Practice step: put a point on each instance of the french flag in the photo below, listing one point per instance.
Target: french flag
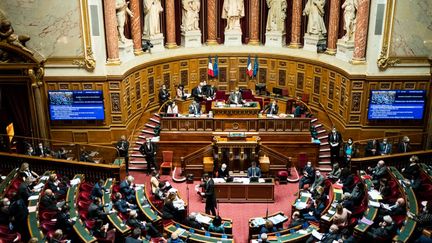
(249, 70)
(210, 68)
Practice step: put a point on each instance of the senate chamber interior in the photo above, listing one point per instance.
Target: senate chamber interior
(215, 121)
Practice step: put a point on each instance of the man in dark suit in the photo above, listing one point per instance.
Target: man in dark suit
(64, 221)
(198, 93)
(211, 92)
(4, 211)
(372, 148)
(308, 175)
(404, 145)
(378, 172)
(223, 172)
(385, 147)
(123, 150)
(334, 140)
(49, 201)
(209, 194)
(272, 108)
(121, 205)
(254, 171)
(195, 108)
(95, 210)
(97, 190)
(148, 149)
(385, 230)
(192, 222)
(134, 222)
(135, 237)
(235, 97)
(24, 190)
(163, 95)
(126, 188)
(19, 212)
(42, 151)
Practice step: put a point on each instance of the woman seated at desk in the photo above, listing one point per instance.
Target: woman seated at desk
(172, 108)
(181, 94)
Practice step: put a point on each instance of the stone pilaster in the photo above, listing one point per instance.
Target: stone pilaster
(360, 35)
(136, 27)
(170, 24)
(332, 35)
(211, 22)
(111, 32)
(296, 24)
(254, 26)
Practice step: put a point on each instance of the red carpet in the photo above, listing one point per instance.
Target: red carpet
(240, 213)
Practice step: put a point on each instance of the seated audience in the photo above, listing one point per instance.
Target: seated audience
(25, 172)
(268, 227)
(169, 211)
(175, 238)
(272, 108)
(64, 221)
(127, 189)
(195, 108)
(314, 212)
(134, 222)
(254, 171)
(296, 220)
(334, 174)
(62, 153)
(57, 237)
(159, 188)
(101, 232)
(384, 189)
(192, 222)
(121, 205)
(404, 146)
(181, 94)
(96, 211)
(384, 231)
(264, 238)
(98, 189)
(331, 236)
(414, 181)
(372, 148)
(42, 151)
(135, 237)
(4, 211)
(49, 201)
(235, 97)
(341, 217)
(216, 225)
(56, 186)
(358, 193)
(412, 168)
(423, 218)
(397, 209)
(378, 172)
(385, 147)
(223, 172)
(308, 175)
(318, 181)
(172, 108)
(347, 237)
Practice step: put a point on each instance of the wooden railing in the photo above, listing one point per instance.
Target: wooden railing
(328, 128)
(92, 171)
(399, 160)
(131, 136)
(198, 154)
(278, 160)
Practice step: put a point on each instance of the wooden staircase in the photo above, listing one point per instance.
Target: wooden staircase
(324, 163)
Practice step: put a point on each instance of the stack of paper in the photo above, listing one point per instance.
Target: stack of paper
(258, 221)
(305, 194)
(325, 217)
(38, 186)
(374, 204)
(277, 219)
(34, 197)
(203, 219)
(179, 231)
(317, 234)
(75, 181)
(300, 205)
(366, 221)
(375, 195)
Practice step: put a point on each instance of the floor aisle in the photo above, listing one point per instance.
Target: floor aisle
(240, 213)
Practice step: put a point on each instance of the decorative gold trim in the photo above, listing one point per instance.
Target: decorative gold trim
(89, 63)
(254, 43)
(171, 45)
(330, 52)
(295, 45)
(212, 43)
(385, 60)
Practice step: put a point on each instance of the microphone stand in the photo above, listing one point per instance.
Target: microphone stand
(188, 205)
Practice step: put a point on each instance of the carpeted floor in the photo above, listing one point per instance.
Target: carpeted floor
(240, 213)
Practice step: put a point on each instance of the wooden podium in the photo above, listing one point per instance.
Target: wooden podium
(244, 111)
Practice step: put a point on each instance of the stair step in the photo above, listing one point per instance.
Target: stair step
(324, 156)
(155, 120)
(156, 114)
(151, 125)
(324, 149)
(324, 162)
(148, 131)
(323, 137)
(319, 125)
(314, 120)
(139, 155)
(324, 168)
(144, 168)
(321, 131)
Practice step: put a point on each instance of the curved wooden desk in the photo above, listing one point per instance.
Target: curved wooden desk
(33, 216)
(113, 217)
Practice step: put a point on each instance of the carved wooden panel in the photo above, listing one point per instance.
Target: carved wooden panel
(203, 74)
(87, 86)
(342, 96)
(317, 85)
(184, 79)
(357, 85)
(115, 102)
(282, 77)
(151, 85)
(222, 74)
(262, 75)
(409, 85)
(138, 90)
(356, 101)
(167, 80)
(385, 85)
(300, 80)
(331, 90)
(128, 98)
(242, 74)
(63, 86)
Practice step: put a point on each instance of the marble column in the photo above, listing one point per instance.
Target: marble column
(111, 32)
(332, 35)
(360, 35)
(254, 27)
(211, 22)
(170, 24)
(296, 24)
(136, 27)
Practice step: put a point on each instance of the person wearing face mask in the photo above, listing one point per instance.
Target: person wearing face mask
(372, 148)
(385, 230)
(412, 168)
(404, 145)
(319, 181)
(335, 173)
(396, 209)
(148, 149)
(235, 97)
(378, 171)
(349, 151)
(385, 147)
(334, 140)
(223, 172)
(308, 175)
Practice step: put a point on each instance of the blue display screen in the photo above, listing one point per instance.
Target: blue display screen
(396, 104)
(76, 105)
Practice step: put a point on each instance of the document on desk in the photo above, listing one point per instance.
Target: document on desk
(179, 231)
(203, 219)
(375, 195)
(374, 204)
(219, 180)
(277, 219)
(300, 205)
(258, 221)
(306, 194)
(75, 181)
(34, 197)
(366, 221)
(32, 209)
(317, 234)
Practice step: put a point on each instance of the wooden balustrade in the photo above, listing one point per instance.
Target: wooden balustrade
(92, 171)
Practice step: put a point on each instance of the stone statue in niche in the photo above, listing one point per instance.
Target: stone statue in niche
(8, 35)
(190, 20)
(314, 9)
(276, 15)
(349, 15)
(233, 11)
(121, 10)
(152, 10)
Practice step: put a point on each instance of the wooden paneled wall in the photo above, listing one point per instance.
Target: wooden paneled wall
(344, 96)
